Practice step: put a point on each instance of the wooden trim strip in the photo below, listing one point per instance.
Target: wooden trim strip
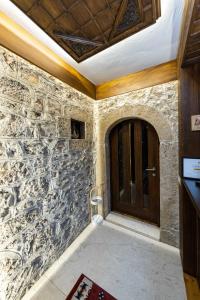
(155, 75)
(21, 42)
(185, 28)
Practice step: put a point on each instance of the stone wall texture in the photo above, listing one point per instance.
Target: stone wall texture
(45, 177)
(157, 105)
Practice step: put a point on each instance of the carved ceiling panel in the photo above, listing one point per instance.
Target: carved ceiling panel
(85, 27)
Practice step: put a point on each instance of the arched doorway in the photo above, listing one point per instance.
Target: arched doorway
(134, 170)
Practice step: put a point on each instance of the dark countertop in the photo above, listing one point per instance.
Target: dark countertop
(194, 193)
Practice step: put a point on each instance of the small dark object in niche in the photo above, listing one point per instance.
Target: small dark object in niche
(77, 129)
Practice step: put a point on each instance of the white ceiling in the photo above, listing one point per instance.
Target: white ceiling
(152, 46)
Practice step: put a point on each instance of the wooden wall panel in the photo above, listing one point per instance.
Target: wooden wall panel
(189, 141)
(187, 16)
(189, 105)
(188, 234)
(193, 291)
(189, 48)
(156, 75)
(192, 49)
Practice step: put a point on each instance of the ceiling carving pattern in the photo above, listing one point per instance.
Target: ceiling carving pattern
(104, 21)
(131, 16)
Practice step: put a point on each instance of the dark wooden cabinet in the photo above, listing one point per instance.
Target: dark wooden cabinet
(190, 211)
(198, 250)
(189, 142)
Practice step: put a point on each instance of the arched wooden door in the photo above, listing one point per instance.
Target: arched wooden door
(135, 178)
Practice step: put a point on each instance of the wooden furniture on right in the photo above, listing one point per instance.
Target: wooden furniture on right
(193, 291)
(189, 146)
(190, 208)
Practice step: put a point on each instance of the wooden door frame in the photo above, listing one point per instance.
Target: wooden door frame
(109, 166)
(169, 197)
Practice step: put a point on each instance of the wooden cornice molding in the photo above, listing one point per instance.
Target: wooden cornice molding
(96, 19)
(185, 28)
(149, 77)
(21, 42)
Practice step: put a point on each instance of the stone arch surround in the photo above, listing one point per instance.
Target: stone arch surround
(169, 200)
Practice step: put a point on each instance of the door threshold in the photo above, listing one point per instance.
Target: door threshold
(133, 224)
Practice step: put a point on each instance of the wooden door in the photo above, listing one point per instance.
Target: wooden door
(134, 158)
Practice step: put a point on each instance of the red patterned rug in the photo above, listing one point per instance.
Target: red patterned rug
(86, 289)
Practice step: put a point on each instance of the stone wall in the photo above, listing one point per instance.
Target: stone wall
(157, 105)
(45, 177)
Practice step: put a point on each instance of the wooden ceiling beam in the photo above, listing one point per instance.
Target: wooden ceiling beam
(189, 47)
(94, 20)
(185, 28)
(152, 76)
(21, 42)
(192, 60)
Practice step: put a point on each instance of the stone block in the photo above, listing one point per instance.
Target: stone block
(14, 89)
(47, 83)
(13, 149)
(34, 188)
(47, 130)
(59, 163)
(3, 153)
(12, 107)
(13, 172)
(36, 111)
(11, 125)
(8, 63)
(64, 128)
(34, 147)
(60, 146)
(7, 199)
(39, 165)
(79, 144)
(27, 75)
(53, 108)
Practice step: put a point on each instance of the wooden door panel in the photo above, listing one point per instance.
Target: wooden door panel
(134, 149)
(124, 163)
(138, 165)
(114, 169)
(153, 177)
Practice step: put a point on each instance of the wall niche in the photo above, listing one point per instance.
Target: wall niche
(77, 130)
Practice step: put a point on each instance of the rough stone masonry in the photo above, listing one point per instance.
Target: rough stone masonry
(45, 177)
(158, 105)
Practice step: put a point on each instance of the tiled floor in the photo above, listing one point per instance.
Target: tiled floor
(129, 266)
(135, 225)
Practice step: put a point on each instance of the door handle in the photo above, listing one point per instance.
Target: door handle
(151, 170)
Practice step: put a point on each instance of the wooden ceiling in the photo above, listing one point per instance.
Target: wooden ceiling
(104, 21)
(192, 48)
